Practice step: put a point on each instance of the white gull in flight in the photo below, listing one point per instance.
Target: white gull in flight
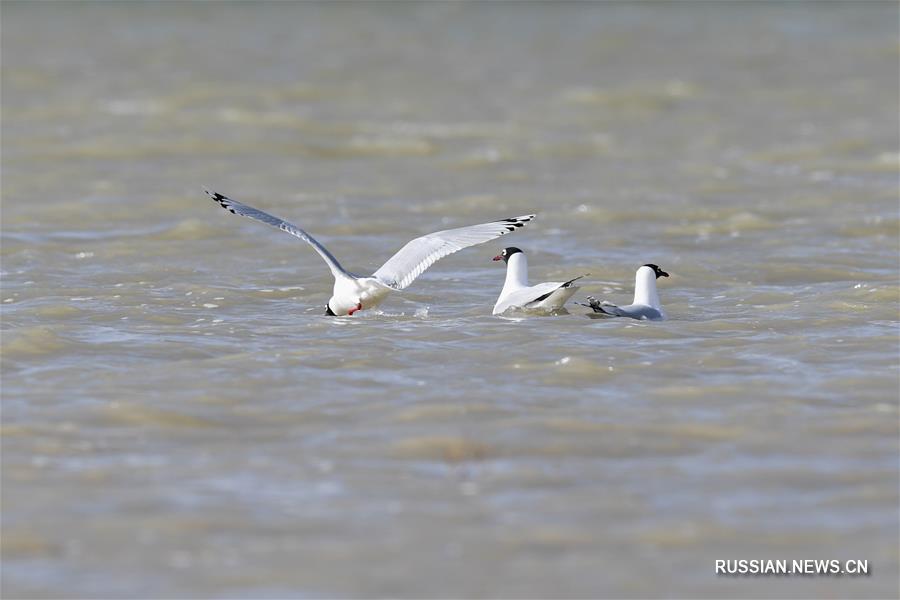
(353, 292)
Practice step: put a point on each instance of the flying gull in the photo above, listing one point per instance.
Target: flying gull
(353, 292)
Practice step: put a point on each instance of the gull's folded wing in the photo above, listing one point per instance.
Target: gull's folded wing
(522, 297)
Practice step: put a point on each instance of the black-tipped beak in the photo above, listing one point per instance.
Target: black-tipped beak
(662, 274)
(498, 257)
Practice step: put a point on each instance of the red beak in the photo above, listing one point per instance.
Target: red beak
(498, 257)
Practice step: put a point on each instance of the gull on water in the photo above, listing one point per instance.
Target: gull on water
(353, 292)
(517, 293)
(646, 301)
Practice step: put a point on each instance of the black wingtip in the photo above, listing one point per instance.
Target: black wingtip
(514, 223)
(214, 195)
(220, 200)
(519, 221)
(571, 281)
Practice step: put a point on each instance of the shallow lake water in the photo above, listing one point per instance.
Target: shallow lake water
(179, 418)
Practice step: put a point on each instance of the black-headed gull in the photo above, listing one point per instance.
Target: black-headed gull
(352, 292)
(646, 301)
(517, 293)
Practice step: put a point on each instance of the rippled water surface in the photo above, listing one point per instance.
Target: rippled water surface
(181, 420)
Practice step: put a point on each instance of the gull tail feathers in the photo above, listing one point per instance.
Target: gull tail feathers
(600, 306)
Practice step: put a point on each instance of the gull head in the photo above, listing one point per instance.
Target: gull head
(507, 252)
(657, 271)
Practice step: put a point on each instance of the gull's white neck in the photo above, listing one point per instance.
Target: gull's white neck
(645, 288)
(516, 272)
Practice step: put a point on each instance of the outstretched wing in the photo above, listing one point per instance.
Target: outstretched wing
(416, 256)
(237, 208)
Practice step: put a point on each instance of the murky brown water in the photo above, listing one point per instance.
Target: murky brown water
(180, 419)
